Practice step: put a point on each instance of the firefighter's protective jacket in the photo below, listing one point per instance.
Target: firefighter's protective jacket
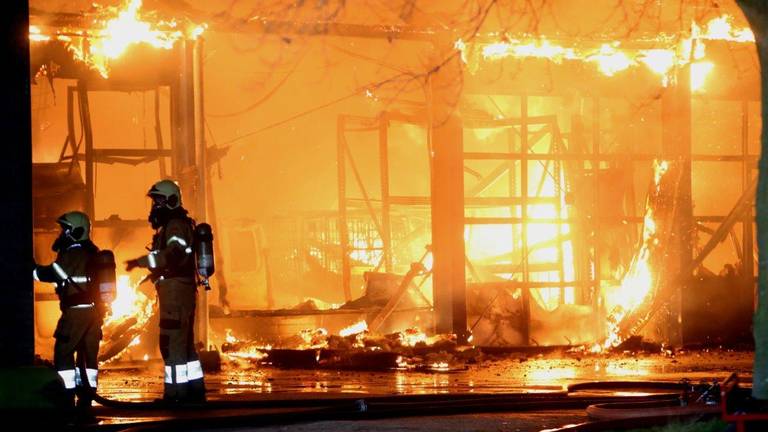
(70, 273)
(172, 255)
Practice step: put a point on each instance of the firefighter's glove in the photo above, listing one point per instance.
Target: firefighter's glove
(131, 264)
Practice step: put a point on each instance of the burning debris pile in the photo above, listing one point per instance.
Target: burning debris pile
(357, 349)
(127, 320)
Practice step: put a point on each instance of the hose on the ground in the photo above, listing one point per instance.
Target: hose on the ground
(369, 409)
(291, 411)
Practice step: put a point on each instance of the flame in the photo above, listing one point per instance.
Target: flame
(354, 329)
(610, 59)
(367, 251)
(198, 31)
(402, 363)
(126, 299)
(547, 242)
(250, 352)
(721, 28)
(699, 73)
(129, 303)
(110, 38)
(35, 34)
(114, 30)
(244, 350)
(638, 281)
(660, 62)
(541, 48)
(411, 336)
(440, 366)
(314, 339)
(229, 337)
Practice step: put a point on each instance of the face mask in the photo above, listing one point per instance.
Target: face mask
(158, 216)
(62, 242)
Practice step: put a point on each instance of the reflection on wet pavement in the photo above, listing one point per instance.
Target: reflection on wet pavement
(506, 374)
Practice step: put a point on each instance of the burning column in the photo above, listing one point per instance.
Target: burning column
(676, 145)
(444, 87)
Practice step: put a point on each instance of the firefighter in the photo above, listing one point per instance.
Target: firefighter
(82, 310)
(171, 263)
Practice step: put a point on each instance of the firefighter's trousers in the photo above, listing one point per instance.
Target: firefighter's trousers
(183, 371)
(78, 332)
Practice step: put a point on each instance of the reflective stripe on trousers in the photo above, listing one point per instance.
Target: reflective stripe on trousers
(68, 376)
(92, 374)
(194, 370)
(176, 374)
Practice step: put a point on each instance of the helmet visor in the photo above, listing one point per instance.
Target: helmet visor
(157, 200)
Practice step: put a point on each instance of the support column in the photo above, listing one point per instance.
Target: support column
(676, 146)
(17, 337)
(448, 228)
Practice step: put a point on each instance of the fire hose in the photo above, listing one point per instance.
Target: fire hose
(389, 407)
(619, 409)
(577, 396)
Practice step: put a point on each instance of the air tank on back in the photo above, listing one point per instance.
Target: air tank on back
(204, 252)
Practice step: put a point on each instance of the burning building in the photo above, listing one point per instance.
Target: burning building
(486, 170)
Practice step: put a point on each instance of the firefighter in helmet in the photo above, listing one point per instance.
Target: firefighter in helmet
(82, 309)
(171, 263)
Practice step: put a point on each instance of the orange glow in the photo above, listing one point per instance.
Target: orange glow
(367, 252)
(114, 31)
(129, 302)
(229, 337)
(721, 28)
(699, 72)
(660, 62)
(541, 48)
(250, 352)
(314, 339)
(36, 35)
(354, 329)
(410, 337)
(110, 38)
(610, 59)
(638, 281)
(439, 366)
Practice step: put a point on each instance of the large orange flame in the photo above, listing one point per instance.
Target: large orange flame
(611, 59)
(114, 30)
(637, 284)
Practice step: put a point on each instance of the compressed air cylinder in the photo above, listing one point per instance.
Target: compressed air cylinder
(104, 275)
(204, 250)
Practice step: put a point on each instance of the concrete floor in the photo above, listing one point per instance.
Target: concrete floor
(501, 374)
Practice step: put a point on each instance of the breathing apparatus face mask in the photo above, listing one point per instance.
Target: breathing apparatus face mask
(159, 212)
(64, 240)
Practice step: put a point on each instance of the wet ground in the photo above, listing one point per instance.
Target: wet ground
(497, 374)
(242, 380)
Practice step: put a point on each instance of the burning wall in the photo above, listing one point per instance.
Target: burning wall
(283, 146)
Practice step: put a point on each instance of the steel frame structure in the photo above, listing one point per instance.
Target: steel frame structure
(578, 160)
